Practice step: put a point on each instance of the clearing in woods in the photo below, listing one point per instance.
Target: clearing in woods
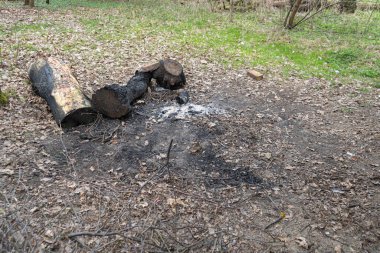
(293, 145)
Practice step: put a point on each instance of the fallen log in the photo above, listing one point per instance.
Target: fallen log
(168, 74)
(53, 81)
(115, 101)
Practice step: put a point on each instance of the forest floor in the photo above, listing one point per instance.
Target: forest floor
(294, 148)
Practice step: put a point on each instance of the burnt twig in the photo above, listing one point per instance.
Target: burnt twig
(282, 216)
(85, 233)
(168, 153)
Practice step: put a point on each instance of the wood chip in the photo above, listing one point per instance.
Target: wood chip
(255, 74)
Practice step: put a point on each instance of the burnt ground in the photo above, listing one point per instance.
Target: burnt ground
(302, 148)
(282, 146)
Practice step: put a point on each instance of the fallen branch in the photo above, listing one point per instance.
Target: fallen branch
(282, 216)
(85, 233)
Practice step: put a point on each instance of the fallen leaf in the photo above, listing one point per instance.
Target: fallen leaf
(173, 202)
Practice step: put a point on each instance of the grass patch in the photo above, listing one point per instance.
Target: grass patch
(30, 27)
(332, 45)
(4, 98)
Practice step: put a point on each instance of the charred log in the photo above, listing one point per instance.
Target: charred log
(115, 101)
(53, 81)
(168, 74)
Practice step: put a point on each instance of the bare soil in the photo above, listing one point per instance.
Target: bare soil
(284, 146)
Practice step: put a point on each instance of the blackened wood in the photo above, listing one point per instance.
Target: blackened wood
(168, 74)
(183, 97)
(114, 101)
(53, 81)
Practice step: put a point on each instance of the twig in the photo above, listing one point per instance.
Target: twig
(282, 216)
(159, 171)
(73, 236)
(109, 137)
(315, 13)
(168, 153)
(334, 239)
(274, 204)
(85, 233)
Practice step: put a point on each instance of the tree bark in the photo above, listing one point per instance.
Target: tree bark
(293, 12)
(26, 2)
(31, 3)
(168, 74)
(114, 101)
(54, 82)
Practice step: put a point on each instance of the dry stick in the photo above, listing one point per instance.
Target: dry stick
(368, 22)
(85, 233)
(309, 17)
(159, 170)
(168, 153)
(282, 214)
(332, 238)
(168, 157)
(162, 240)
(110, 136)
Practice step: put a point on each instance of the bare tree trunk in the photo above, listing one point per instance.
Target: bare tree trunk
(231, 10)
(293, 11)
(26, 2)
(31, 3)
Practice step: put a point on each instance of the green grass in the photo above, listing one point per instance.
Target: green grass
(4, 98)
(331, 45)
(30, 27)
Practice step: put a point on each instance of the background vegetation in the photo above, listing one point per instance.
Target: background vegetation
(340, 47)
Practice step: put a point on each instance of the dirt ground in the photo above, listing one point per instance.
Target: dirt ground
(299, 149)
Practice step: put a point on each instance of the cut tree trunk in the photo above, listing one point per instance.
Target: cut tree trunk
(53, 81)
(168, 74)
(114, 101)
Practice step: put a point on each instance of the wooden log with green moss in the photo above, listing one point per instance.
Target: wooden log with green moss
(52, 80)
